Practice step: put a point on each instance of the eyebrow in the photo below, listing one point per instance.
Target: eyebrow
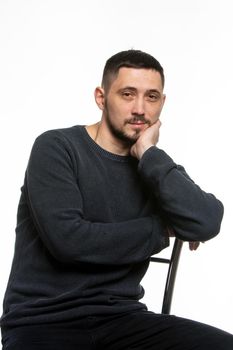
(134, 89)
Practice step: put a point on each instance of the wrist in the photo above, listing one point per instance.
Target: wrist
(142, 149)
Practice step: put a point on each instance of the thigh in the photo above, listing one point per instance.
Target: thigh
(49, 337)
(146, 330)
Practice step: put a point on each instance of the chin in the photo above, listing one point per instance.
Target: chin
(132, 139)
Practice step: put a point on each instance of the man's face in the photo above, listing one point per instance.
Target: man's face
(133, 102)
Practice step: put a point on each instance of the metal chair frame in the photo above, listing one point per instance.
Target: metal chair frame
(171, 274)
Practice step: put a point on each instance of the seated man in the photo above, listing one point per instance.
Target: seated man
(97, 202)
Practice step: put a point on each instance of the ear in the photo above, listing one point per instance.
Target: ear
(164, 98)
(99, 97)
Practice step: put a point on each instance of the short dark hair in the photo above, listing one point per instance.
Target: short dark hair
(130, 59)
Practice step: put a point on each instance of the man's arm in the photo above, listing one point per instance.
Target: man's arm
(193, 214)
(57, 210)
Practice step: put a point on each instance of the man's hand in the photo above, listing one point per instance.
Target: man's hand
(148, 138)
(192, 245)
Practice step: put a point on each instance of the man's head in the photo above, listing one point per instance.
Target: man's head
(129, 59)
(131, 96)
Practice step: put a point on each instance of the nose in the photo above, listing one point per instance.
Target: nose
(138, 106)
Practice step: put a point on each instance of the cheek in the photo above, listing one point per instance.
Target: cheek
(155, 113)
(119, 112)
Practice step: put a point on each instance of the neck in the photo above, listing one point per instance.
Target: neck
(100, 133)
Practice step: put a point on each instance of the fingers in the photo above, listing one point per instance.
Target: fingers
(158, 123)
(149, 137)
(170, 231)
(151, 134)
(193, 245)
(155, 126)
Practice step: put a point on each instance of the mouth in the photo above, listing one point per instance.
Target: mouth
(137, 123)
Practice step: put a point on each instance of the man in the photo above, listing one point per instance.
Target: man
(97, 202)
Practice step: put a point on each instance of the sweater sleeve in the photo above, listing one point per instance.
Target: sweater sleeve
(193, 214)
(56, 207)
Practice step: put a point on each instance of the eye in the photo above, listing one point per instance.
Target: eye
(127, 95)
(153, 97)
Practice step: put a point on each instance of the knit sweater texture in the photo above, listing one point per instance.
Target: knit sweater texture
(88, 222)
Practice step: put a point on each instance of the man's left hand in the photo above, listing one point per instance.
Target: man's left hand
(148, 138)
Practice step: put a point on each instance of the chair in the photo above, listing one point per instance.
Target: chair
(171, 274)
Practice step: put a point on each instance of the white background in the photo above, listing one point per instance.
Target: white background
(52, 53)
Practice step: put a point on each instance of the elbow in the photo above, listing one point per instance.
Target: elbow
(211, 225)
(204, 226)
(207, 230)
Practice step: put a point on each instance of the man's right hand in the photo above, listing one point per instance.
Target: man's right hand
(192, 245)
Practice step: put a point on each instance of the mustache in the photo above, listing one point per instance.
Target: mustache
(137, 118)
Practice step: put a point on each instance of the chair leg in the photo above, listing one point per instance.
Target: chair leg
(171, 276)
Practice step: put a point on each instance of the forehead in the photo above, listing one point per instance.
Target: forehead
(138, 78)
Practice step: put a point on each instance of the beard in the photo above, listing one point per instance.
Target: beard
(120, 134)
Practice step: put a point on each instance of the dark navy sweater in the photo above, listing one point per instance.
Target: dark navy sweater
(88, 222)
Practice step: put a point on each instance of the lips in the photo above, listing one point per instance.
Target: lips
(137, 123)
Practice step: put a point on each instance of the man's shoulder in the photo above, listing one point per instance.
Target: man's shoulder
(64, 135)
(62, 132)
(70, 139)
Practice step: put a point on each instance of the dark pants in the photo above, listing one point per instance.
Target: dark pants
(138, 330)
